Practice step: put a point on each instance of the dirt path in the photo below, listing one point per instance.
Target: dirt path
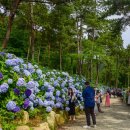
(117, 117)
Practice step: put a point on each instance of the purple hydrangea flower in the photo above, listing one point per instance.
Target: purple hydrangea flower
(58, 99)
(67, 102)
(28, 92)
(48, 94)
(11, 105)
(1, 75)
(26, 104)
(10, 56)
(58, 105)
(16, 109)
(31, 85)
(40, 102)
(45, 103)
(67, 108)
(58, 93)
(16, 68)
(16, 91)
(27, 73)
(56, 83)
(32, 97)
(48, 109)
(51, 103)
(21, 82)
(2, 53)
(30, 68)
(4, 88)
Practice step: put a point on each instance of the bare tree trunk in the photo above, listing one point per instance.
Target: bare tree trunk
(10, 22)
(32, 31)
(79, 44)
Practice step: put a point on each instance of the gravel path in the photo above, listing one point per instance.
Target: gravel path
(117, 117)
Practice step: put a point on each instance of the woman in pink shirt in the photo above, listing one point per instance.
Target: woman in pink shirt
(107, 101)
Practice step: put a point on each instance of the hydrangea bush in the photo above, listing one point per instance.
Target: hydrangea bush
(27, 86)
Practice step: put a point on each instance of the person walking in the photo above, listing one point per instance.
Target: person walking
(89, 103)
(72, 101)
(99, 101)
(107, 101)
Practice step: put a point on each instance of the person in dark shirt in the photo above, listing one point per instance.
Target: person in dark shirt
(72, 101)
(89, 103)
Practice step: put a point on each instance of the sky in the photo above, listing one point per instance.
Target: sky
(126, 36)
(125, 33)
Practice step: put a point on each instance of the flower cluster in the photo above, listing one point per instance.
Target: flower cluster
(36, 87)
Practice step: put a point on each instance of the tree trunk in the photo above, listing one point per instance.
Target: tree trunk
(116, 82)
(60, 55)
(49, 48)
(32, 31)
(129, 75)
(10, 22)
(39, 52)
(29, 48)
(97, 76)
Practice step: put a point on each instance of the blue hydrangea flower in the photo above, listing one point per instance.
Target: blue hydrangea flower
(63, 84)
(31, 85)
(16, 69)
(32, 97)
(2, 53)
(51, 103)
(46, 84)
(27, 73)
(58, 99)
(67, 108)
(11, 105)
(48, 94)
(45, 103)
(26, 104)
(24, 66)
(1, 75)
(56, 83)
(16, 91)
(28, 92)
(21, 82)
(67, 102)
(30, 68)
(4, 88)
(10, 56)
(58, 93)
(16, 109)
(10, 81)
(39, 71)
(48, 109)
(40, 102)
(58, 105)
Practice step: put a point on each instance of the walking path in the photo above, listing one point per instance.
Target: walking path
(117, 117)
